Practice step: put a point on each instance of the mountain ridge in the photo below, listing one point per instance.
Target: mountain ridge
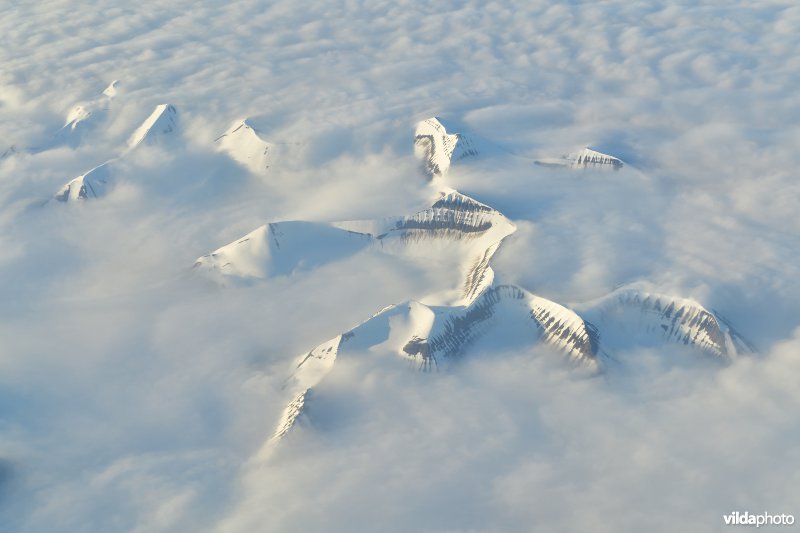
(439, 335)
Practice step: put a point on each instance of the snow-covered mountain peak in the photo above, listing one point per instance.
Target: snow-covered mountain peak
(81, 118)
(456, 233)
(281, 248)
(509, 306)
(111, 91)
(455, 212)
(77, 114)
(161, 122)
(83, 111)
(585, 158)
(244, 145)
(430, 337)
(456, 228)
(438, 149)
(592, 158)
(91, 184)
(453, 200)
(507, 316)
(638, 316)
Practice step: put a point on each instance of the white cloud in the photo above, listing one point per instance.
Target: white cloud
(134, 395)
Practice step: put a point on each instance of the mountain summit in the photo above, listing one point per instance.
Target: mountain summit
(438, 149)
(585, 158)
(455, 233)
(161, 122)
(91, 184)
(507, 317)
(244, 145)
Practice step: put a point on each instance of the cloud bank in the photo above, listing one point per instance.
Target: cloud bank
(136, 395)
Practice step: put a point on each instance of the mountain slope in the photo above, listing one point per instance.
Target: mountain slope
(429, 337)
(281, 248)
(438, 149)
(161, 123)
(91, 184)
(244, 145)
(633, 316)
(84, 117)
(457, 227)
(456, 233)
(585, 158)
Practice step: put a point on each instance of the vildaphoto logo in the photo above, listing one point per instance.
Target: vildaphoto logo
(764, 519)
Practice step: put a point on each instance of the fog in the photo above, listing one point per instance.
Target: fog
(136, 394)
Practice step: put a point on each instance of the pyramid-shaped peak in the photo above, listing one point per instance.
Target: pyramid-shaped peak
(431, 124)
(91, 184)
(247, 124)
(244, 145)
(452, 199)
(161, 122)
(240, 129)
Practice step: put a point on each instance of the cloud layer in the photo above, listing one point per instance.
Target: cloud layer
(135, 395)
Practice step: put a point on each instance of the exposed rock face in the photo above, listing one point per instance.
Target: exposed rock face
(457, 231)
(586, 158)
(592, 158)
(458, 226)
(632, 316)
(430, 337)
(438, 149)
